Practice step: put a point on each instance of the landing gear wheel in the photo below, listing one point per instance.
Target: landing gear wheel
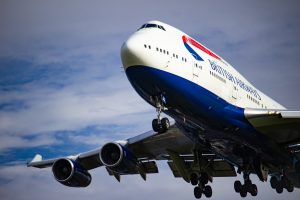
(248, 182)
(165, 123)
(274, 182)
(197, 192)
(237, 186)
(160, 125)
(253, 190)
(155, 125)
(290, 187)
(194, 179)
(279, 188)
(284, 182)
(204, 178)
(207, 191)
(243, 191)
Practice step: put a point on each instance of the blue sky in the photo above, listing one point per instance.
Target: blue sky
(63, 89)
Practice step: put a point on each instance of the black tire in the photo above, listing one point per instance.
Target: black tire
(243, 191)
(207, 191)
(194, 179)
(165, 123)
(155, 125)
(161, 129)
(297, 166)
(197, 192)
(290, 187)
(279, 188)
(274, 182)
(248, 183)
(237, 186)
(204, 178)
(284, 182)
(253, 190)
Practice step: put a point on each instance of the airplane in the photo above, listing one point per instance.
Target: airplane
(223, 125)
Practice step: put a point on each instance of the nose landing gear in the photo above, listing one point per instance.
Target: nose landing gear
(160, 125)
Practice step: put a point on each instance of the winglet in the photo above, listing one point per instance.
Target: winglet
(36, 158)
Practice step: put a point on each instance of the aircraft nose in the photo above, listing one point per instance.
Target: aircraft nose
(130, 52)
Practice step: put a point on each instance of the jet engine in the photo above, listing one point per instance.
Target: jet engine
(69, 173)
(118, 158)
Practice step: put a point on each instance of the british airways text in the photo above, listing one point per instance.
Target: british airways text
(223, 72)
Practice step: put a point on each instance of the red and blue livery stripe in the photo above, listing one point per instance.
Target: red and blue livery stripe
(187, 40)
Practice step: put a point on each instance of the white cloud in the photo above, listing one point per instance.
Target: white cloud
(11, 141)
(72, 107)
(158, 186)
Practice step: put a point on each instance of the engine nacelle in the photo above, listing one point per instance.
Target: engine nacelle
(69, 173)
(118, 158)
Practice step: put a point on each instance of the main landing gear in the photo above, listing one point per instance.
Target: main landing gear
(246, 187)
(281, 183)
(202, 187)
(160, 125)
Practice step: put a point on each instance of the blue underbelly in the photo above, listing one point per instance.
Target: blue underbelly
(186, 97)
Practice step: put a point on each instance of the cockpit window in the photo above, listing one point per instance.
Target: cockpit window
(142, 26)
(152, 26)
(161, 27)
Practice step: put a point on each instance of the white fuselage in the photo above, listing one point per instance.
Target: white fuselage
(165, 50)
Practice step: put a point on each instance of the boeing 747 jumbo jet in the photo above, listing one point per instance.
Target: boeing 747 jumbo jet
(223, 124)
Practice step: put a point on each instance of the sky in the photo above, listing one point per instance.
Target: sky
(63, 89)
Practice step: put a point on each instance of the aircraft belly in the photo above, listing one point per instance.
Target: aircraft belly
(225, 125)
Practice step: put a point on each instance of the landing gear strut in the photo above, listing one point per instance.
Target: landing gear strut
(160, 125)
(246, 187)
(281, 183)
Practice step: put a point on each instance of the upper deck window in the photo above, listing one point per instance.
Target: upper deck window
(152, 26)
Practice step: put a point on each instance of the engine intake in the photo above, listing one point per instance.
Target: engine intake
(69, 173)
(111, 154)
(118, 158)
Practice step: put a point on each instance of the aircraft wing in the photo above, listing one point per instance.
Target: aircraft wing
(172, 146)
(282, 126)
(147, 146)
(89, 160)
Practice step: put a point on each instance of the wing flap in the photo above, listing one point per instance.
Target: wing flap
(221, 168)
(217, 168)
(281, 126)
(149, 167)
